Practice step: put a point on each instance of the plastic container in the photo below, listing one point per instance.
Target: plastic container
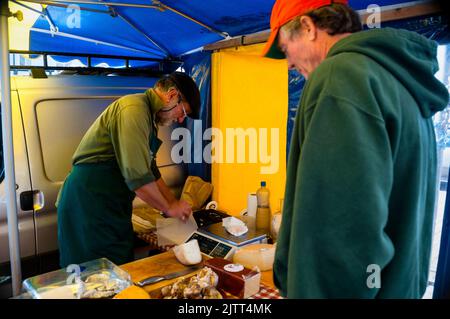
(276, 221)
(263, 210)
(61, 284)
(256, 255)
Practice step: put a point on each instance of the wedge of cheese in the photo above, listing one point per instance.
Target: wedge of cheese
(188, 253)
(259, 255)
(132, 292)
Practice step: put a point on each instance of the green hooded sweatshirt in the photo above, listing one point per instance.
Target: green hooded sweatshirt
(361, 173)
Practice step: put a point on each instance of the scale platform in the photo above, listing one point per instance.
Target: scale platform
(215, 241)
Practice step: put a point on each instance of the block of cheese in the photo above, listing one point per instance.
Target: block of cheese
(234, 278)
(188, 253)
(132, 292)
(259, 255)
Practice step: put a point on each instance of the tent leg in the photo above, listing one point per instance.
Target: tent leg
(8, 153)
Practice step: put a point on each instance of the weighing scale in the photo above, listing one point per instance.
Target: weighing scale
(215, 241)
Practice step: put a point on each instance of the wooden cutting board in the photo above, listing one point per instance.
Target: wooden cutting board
(161, 264)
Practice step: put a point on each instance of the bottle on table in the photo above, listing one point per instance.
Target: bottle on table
(263, 209)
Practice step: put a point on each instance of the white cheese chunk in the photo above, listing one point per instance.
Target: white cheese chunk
(188, 253)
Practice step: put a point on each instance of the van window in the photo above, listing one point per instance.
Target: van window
(61, 125)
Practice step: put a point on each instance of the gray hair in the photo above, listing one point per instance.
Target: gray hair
(334, 19)
(165, 83)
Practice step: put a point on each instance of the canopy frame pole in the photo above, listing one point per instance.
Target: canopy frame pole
(8, 153)
(156, 5)
(158, 45)
(62, 5)
(27, 7)
(53, 27)
(222, 34)
(118, 4)
(92, 40)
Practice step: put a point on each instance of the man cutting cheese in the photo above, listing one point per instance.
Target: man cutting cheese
(115, 161)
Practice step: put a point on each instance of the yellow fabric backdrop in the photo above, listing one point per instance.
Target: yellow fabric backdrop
(248, 92)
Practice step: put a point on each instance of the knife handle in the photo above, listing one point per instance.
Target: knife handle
(150, 280)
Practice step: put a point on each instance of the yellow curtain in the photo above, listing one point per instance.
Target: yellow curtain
(249, 97)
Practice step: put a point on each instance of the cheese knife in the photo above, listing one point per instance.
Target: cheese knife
(155, 279)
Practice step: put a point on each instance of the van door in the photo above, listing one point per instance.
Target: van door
(54, 128)
(23, 183)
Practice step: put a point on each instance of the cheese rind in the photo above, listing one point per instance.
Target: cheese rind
(188, 253)
(242, 284)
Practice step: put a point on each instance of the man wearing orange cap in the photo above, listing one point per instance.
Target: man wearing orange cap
(361, 173)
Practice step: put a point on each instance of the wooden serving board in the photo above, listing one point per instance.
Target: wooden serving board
(161, 264)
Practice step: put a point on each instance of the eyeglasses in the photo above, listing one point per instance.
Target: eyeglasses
(182, 106)
(184, 110)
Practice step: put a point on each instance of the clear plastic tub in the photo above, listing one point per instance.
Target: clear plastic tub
(76, 281)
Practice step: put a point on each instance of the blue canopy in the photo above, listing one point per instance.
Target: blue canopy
(150, 29)
(159, 30)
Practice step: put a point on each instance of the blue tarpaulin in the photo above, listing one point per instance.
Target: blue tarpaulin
(157, 32)
(161, 29)
(198, 66)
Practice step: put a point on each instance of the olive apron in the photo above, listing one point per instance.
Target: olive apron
(94, 213)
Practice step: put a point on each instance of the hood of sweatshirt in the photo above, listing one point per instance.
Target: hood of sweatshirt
(408, 56)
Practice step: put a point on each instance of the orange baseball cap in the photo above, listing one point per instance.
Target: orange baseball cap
(284, 11)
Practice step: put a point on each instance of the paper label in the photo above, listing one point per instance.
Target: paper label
(233, 267)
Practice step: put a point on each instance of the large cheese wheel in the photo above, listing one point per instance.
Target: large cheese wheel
(188, 253)
(132, 292)
(260, 255)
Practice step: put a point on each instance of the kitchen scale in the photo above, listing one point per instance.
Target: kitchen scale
(215, 241)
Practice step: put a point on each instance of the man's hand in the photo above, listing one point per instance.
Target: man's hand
(179, 209)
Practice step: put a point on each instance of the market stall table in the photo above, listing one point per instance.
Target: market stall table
(166, 263)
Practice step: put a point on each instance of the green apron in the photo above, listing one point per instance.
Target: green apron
(94, 211)
(94, 215)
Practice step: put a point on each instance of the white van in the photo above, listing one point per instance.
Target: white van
(50, 116)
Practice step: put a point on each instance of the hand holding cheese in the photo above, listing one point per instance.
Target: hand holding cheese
(188, 253)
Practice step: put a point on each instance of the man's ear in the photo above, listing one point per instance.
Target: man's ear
(309, 27)
(170, 96)
(173, 92)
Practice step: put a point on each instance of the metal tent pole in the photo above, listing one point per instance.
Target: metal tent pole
(8, 152)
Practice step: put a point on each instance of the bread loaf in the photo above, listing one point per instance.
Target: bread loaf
(235, 279)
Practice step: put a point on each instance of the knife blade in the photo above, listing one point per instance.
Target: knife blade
(155, 279)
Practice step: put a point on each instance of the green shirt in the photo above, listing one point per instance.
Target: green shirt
(126, 131)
